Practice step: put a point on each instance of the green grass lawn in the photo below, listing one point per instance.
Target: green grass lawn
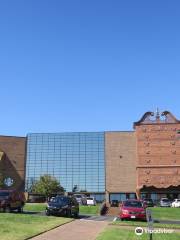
(144, 224)
(89, 209)
(166, 213)
(35, 207)
(119, 232)
(39, 207)
(21, 226)
(112, 233)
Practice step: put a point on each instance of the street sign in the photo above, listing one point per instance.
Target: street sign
(149, 222)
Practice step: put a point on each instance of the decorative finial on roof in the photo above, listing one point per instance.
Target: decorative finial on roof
(157, 114)
(164, 117)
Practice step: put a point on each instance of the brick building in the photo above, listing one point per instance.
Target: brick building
(158, 155)
(112, 165)
(12, 161)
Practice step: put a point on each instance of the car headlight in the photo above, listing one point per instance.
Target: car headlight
(125, 211)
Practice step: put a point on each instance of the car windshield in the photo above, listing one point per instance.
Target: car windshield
(60, 200)
(135, 204)
(165, 200)
(89, 198)
(78, 196)
(4, 194)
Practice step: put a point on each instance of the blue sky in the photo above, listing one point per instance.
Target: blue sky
(87, 65)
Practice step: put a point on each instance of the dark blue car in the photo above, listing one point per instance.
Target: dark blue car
(64, 206)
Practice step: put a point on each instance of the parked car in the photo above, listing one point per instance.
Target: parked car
(114, 203)
(165, 202)
(81, 199)
(132, 209)
(176, 203)
(91, 201)
(148, 202)
(63, 205)
(11, 200)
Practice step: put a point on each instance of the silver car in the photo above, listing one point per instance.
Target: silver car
(81, 199)
(165, 202)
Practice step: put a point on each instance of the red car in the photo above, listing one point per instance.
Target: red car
(11, 200)
(132, 209)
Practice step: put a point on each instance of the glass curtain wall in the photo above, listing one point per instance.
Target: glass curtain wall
(75, 159)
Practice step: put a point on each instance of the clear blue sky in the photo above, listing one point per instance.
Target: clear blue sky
(87, 65)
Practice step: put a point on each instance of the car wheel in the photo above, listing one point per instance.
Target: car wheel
(47, 213)
(20, 210)
(68, 213)
(76, 215)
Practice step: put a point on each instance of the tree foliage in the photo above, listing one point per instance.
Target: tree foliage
(75, 188)
(47, 185)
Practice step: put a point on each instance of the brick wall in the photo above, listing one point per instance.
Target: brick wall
(13, 163)
(158, 151)
(120, 155)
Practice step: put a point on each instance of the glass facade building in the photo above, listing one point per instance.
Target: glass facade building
(75, 159)
(115, 165)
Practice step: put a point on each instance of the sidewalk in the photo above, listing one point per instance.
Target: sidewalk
(76, 230)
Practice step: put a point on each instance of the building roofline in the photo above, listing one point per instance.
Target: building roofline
(130, 131)
(156, 118)
(77, 132)
(64, 132)
(12, 136)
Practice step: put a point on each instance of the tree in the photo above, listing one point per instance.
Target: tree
(47, 185)
(75, 188)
